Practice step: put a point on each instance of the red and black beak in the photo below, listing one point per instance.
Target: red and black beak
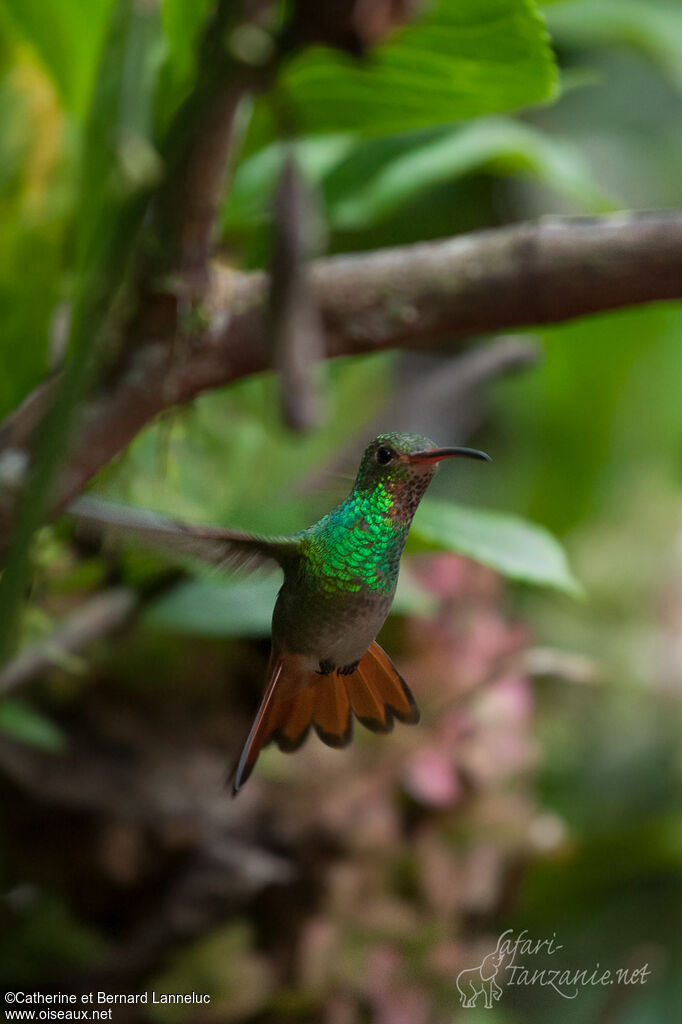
(436, 454)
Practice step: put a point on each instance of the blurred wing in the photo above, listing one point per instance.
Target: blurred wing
(215, 545)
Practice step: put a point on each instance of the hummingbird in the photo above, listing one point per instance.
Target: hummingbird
(340, 576)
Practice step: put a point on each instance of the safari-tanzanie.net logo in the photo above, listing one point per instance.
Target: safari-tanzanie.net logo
(514, 963)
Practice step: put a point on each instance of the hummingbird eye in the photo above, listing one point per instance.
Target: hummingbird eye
(384, 456)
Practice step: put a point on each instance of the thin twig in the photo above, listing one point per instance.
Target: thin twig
(452, 392)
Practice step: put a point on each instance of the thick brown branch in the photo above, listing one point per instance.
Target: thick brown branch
(200, 142)
(418, 295)
(194, 192)
(536, 273)
(406, 297)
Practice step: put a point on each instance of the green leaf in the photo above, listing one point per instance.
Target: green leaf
(466, 58)
(501, 145)
(24, 723)
(366, 180)
(244, 607)
(67, 36)
(517, 549)
(209, 609)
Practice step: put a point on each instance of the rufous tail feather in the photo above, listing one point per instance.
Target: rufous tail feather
(296, 698)
(385, 695)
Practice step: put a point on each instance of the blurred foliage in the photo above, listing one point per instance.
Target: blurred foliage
(362, 183)
(654, 27)
(549, 804)
(67, 39)
(29, 726)
(115, 169)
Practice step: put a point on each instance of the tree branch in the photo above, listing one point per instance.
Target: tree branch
(200, 143)
(435, 394)
(405, 297)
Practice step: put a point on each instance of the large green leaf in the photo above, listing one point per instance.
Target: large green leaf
(464, 59)
(518, 549)
(67, 36)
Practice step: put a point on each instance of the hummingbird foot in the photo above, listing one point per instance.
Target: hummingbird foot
(327, 666)
(348, 670)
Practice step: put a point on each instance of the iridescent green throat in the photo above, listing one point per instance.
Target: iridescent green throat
(357, 546)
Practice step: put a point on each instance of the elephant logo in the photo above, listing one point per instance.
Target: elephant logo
(476, 981)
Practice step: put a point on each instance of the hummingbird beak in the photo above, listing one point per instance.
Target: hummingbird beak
(436, 454)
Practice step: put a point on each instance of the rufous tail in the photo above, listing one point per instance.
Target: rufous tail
(297, 698)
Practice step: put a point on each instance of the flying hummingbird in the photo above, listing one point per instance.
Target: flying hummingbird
(340, 577)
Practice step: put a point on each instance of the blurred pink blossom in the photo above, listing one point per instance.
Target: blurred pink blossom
(431, 778)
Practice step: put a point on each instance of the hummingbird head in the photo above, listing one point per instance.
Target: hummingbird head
(404, 464)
